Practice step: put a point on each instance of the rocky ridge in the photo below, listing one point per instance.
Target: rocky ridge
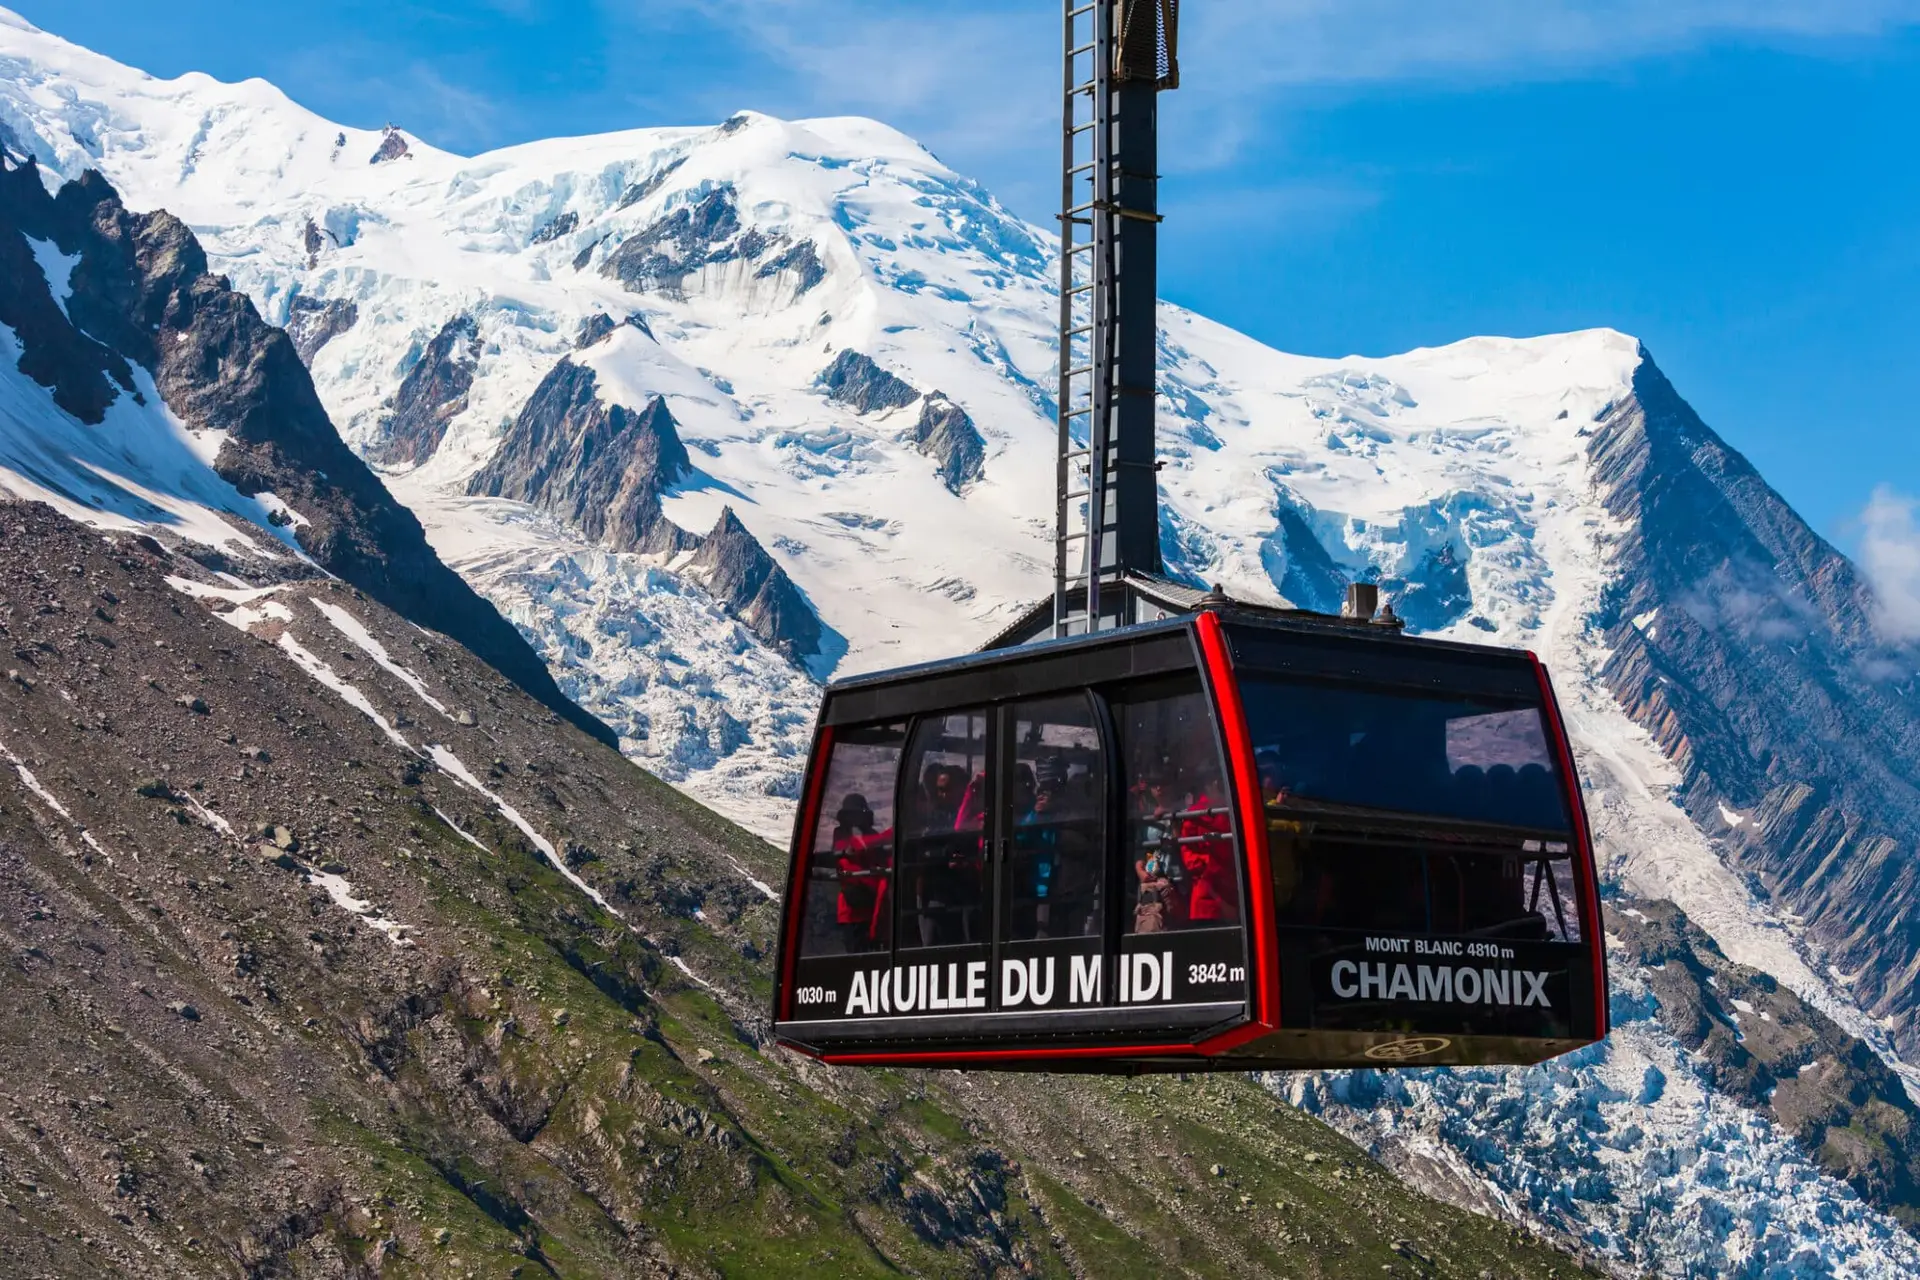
(138, 293)
(1749, 648)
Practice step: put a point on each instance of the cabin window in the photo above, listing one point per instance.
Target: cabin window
(1411, 813)
(1055, 823)
(850, 869)
(1178, 847)
(1364, 749)
(946, 792)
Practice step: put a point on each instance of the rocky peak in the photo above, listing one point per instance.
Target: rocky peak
(1745, 644)
(755, 589)
(393, 145)
(853, 379)
(600, 325)
(946, 434)
(433, 394)
(600, 467)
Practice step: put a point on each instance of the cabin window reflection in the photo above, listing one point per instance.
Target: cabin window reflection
(850, 867)
(1338, 746)
(947, 791)
(1055, 823)
(1178, 847)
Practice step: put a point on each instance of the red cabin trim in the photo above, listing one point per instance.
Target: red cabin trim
(805, 822)
(1002, 1055)
(1583, 838)
(1259, 913)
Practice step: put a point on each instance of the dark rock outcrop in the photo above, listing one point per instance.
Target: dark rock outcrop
(638, 191)
(947, 435)
(600, 324)
(803, 259)
(661, 257)
(853, 379)
(84, 375)
(743, 577)
(314, 322)
(566, 224)
(599, 467)
(943, 431)
(393, 145)
(708, 232)
(433, 393)
(1759, 671)
(141, 293)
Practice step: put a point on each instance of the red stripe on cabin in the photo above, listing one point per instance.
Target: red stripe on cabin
(1583, 844)
(1253, 822)
(804, 824)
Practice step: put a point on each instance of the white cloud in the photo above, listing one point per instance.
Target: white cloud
(1890, 557)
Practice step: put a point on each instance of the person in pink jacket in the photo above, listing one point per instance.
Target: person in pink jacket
(1209, 859)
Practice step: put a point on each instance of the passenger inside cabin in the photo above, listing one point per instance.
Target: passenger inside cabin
(1206, 849)
(860, 858)
(946, 856)
(1158, 906)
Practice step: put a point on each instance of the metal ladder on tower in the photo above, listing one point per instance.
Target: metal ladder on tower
(1112, 48)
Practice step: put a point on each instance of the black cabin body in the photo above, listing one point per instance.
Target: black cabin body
(1235, 838)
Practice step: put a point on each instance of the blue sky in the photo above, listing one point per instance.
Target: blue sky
(1734, 181)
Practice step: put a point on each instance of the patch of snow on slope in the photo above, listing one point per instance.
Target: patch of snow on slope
(350, 627)
(341, 891)
(349, 694)
(452, 765)
(58, 269)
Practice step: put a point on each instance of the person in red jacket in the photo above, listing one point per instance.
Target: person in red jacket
(860, 858)
(1209, 860)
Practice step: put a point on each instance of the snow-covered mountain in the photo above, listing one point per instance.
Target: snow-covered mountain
(712, 413)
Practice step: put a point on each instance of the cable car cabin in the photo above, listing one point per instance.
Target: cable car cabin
(1236, 839)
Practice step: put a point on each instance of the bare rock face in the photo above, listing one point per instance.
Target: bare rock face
(84, 374)
(141, 294)
(947, 435)
(853, 379)
(599, 467)
(663, 255)
(563, 225)
(660, 258)
(433, 393)
(393, 145)
(755, 589)
(944, 431)
(803, 259)
(638, 191)
(1747, 646)
(314, 322)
